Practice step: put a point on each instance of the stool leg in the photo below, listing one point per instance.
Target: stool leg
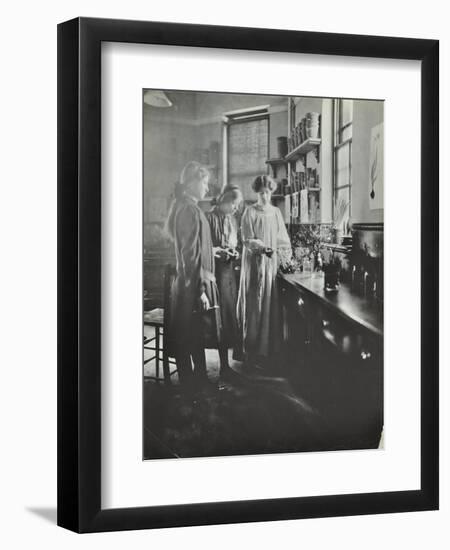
(157, 350)
(166, 370)
(166, 365)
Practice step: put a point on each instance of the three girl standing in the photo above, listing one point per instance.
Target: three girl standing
(207, 309)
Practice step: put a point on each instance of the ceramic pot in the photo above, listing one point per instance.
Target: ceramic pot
(312, 131)
(282, 146)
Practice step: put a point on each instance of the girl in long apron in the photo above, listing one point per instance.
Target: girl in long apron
(259, 311)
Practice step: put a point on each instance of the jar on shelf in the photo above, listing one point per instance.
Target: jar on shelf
(282, 146)
(312, 125)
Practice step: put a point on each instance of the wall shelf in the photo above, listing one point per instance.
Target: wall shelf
(311, 144)
(276, 162)
(276, 165)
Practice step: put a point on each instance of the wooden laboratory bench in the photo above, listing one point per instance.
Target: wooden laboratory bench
(334, 349)
(364, 312)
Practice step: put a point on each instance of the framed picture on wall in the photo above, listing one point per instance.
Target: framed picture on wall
(234, 308)
(376, 167)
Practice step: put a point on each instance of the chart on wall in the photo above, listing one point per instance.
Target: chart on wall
(376, 168)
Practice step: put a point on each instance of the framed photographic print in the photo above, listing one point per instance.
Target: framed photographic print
(248, 274)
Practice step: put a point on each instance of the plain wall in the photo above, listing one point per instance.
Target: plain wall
(168, 146)
(326, 162)
(278, 123)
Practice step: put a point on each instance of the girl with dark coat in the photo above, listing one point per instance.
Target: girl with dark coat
(194, 317)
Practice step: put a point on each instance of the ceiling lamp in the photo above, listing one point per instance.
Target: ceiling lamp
(157, 98)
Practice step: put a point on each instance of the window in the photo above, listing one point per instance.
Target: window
(342, 183)
(247, 147)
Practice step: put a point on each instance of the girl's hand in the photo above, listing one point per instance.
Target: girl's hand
(232, 254)
(204, 302)
(255, 245)
(219, 252)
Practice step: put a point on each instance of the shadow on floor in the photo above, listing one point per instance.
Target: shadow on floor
(48, 514)
(240, 417)
(252, 413)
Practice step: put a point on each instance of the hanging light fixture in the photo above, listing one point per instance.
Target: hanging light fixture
(157, 98)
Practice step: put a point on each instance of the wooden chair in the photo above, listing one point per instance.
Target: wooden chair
(159, 319)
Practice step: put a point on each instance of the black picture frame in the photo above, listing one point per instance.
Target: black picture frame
(79, 274)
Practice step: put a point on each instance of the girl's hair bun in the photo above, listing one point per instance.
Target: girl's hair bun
(264, 182)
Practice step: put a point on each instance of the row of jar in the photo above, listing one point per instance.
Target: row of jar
(308, 127)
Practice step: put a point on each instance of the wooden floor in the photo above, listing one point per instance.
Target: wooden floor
(252, 413)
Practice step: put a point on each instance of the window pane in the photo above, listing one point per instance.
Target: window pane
(343, 194)
(247, 153)
(343, 161)
(346, 111)
(342, 165)
(346, 133)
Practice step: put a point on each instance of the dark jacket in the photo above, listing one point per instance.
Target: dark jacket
(190, 327)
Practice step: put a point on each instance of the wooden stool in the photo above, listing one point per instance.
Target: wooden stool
(156, 318)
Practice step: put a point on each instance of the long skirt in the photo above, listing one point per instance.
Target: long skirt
(189, 328)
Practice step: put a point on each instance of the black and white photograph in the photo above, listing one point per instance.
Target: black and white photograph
(263, 269)
(225, 283)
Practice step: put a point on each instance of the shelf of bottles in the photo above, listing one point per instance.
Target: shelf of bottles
(302, 205)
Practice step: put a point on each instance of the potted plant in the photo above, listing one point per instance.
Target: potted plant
(306, 241)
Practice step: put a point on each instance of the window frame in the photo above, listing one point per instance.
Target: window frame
(241, 116)
(338, 143)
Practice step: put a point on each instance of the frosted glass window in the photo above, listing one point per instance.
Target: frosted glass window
(248, 148)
